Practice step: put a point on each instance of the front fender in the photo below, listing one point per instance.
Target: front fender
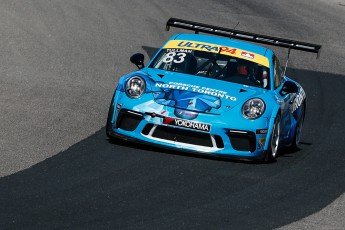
(275, 112)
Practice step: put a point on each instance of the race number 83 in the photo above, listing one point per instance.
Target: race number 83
(169, 57)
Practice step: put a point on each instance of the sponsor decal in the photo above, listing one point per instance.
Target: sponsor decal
(228, 50)
(261, 142)
(185, 114)
(298, 100)
(261, 131)
(197, 89)
(187, 124)
(179, 50)
(247, 55)
(196, 45)
(186, 46)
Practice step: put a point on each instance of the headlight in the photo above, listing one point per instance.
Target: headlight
(253, 108)
(135, 87)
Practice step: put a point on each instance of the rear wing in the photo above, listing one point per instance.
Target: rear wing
(241, 35)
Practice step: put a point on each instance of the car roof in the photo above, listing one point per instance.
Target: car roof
(222, 41)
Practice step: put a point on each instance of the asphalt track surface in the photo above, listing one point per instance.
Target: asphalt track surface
(60, 61)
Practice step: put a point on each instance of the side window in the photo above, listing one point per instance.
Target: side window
(278, 75)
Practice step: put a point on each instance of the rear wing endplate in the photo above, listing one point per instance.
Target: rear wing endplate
(241, 35)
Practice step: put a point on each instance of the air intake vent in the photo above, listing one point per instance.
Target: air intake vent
(128, 120)
(242, 141)
(184, 136)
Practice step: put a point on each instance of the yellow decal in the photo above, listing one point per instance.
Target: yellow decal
(262, 142)
(208, 47)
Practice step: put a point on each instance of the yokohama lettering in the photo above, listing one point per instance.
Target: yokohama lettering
(187, 124)
(192, 125)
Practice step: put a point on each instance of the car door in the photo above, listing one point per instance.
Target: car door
(283, 100)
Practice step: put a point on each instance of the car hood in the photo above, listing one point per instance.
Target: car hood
(191, 93)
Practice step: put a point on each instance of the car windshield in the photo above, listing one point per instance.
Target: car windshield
(221, 65)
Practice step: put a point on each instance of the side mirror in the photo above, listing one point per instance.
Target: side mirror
(138, 60)
(288, 87)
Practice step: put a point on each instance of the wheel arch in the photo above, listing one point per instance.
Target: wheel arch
(275, 112)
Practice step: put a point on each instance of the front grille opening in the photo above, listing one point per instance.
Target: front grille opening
(219, 141)
(128, 121)
(184, 136)
(243, 141)
(147, 129)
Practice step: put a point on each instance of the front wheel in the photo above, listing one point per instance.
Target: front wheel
(274, 141)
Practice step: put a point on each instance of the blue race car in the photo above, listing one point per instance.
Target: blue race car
(211, 95)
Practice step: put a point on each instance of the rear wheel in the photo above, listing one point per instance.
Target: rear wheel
(298, 131)
(274, 141)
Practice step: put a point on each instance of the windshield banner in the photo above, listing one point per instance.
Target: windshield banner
(214, 48)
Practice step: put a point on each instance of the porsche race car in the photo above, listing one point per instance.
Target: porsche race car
(212, 95)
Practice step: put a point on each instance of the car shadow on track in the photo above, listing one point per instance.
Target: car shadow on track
(288, 152)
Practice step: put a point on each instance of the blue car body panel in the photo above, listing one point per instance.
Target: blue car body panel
(205, 107)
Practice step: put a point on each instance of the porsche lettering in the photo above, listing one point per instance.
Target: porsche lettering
(298, 100)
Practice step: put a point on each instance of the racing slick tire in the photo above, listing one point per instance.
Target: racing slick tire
(274, 141)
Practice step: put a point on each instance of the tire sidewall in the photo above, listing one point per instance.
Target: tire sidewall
(269, 156)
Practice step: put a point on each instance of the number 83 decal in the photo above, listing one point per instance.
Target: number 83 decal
(170, 57)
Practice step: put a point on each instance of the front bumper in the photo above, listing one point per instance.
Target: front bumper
(231, 142)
